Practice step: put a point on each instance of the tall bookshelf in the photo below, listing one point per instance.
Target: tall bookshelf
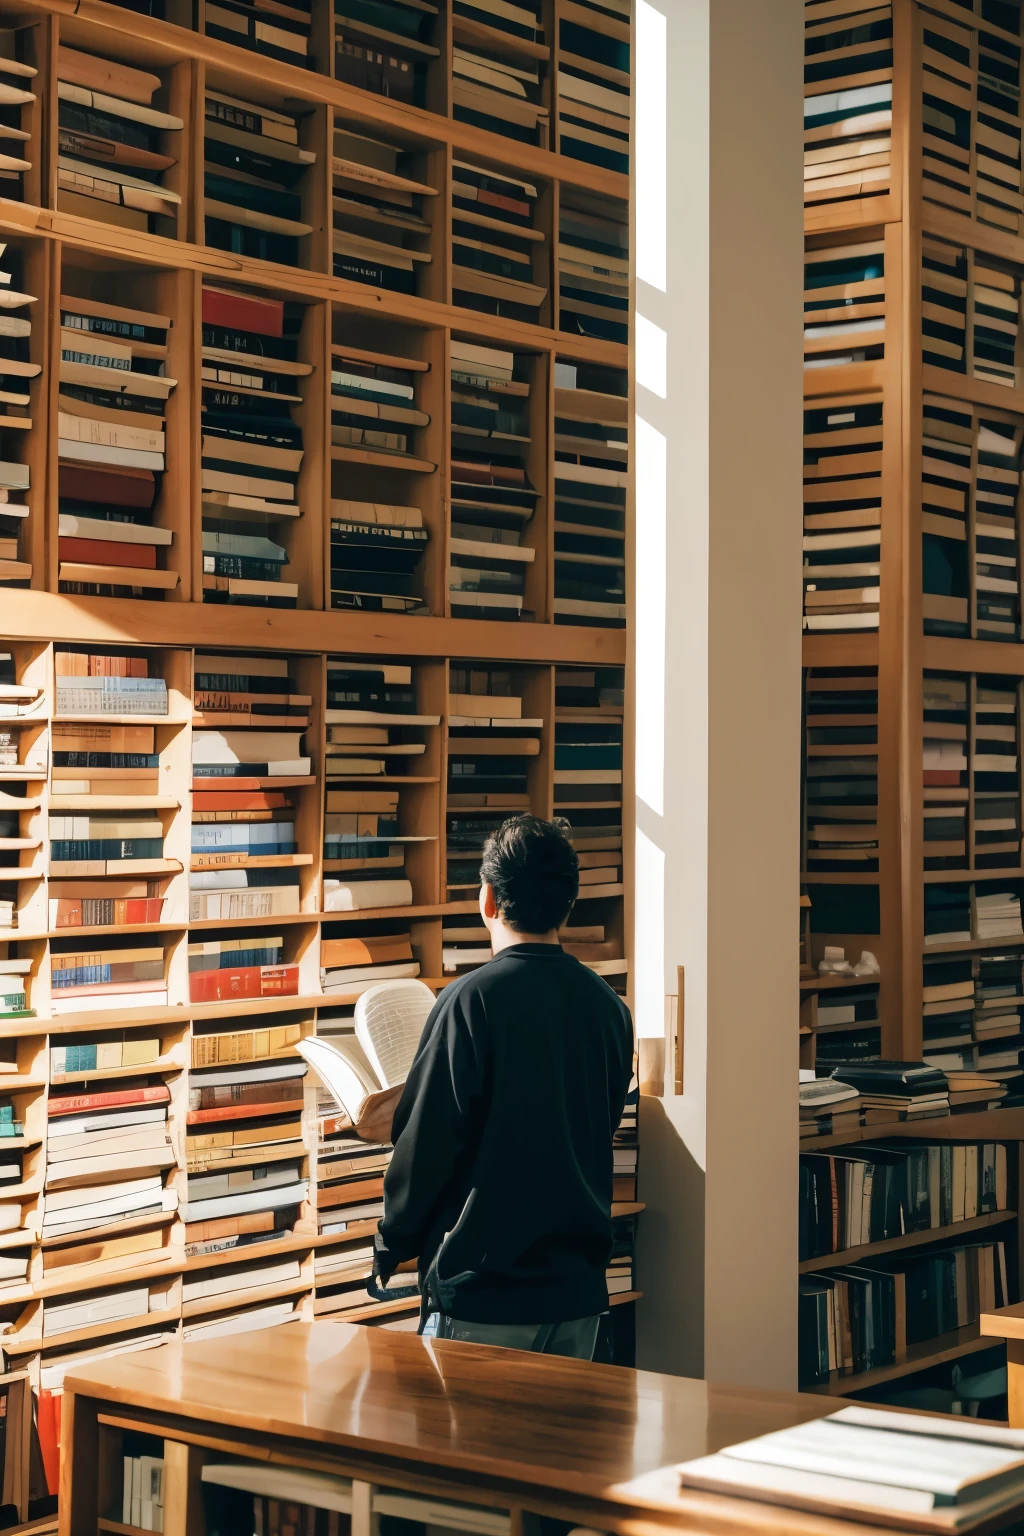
(62, 245)
(914, 412)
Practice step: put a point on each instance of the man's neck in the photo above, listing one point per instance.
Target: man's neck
(503, 937)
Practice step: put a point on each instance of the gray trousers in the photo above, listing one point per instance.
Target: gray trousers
(577, 1338)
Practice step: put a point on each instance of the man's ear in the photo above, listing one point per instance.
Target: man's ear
(488, 906)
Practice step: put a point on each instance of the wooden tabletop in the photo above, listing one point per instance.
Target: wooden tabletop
(531, 1422)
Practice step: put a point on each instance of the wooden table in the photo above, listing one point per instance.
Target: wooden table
(532, 1435)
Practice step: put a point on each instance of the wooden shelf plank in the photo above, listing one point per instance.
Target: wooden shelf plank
(920, 1357)
(908, 1240)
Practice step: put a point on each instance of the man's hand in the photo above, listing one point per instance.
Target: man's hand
(374, 1123)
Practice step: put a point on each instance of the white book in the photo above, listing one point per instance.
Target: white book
(245, 746)
(240, 1279)
(340, 979)
(234, 1205)
(318, 1490)
(71, 525)
(359, 895)
(100, 1122)
(242, 1322)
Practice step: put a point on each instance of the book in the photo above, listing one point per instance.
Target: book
(389, 1021)
(924, 1472)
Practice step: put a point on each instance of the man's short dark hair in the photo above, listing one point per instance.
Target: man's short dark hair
(532, 868)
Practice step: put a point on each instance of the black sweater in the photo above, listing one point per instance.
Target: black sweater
(503, 1141)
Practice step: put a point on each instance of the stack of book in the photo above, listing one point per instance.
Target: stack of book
(944, 772)
(948, 1010)
(134, 975)
(244, 1137)
(114, 146)
(349, 1181)
(499, 264)
(385, 46)
(107, 1153)
(997, 913)
(624, 1174)
(253, 180)
(374, 417)
(251, 1195)
(847, 1027)
(380, 235)
(16, 370)
(86, 845)
(841, 772)
(16, 94)
(279, 33)
(375, 743)
(244, 851)
(827, 1107)
(13, 988)
(244, 774)
(588, 778)
(268, 1314)
(857, 1319)
(588, 713)
(842, 515)
(895, 1090)
(996, 553)
(591, 475)
(210, 1289)
(867, 1194)
(996, 840)
(115, 1306)
(944, 280)
(111, 450)
(99, 684)
(491, 495)
(350, 966)
(844, 303)
(299, 1501)
(376, 548)
(847, 122)
(490, 746)
(593, 268)
(227, 970)
(594, 84)
(251, 446)
(341, 1274)
(498, 62)
(104, 780)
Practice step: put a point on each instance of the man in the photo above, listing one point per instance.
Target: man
(501, 1178)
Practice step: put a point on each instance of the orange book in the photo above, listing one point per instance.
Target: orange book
(380, 951)
(229, 1226)
(349, 1194)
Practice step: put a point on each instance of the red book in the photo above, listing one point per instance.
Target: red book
(253, 800)
(498, 200)
(242, 312)
(108, 552)
(942, 777)
(121, 487)
(114, 1098)
(48, 1430)
(224, 985)
(240, 1111)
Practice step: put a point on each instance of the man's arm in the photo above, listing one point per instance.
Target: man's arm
(436, 1125)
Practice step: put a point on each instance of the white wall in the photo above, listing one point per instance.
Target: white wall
(718, 678)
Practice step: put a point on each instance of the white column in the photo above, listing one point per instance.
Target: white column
(719, 219)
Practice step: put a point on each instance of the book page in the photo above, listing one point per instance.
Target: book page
(389, 1023)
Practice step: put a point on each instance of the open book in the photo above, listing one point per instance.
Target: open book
(389, 1021)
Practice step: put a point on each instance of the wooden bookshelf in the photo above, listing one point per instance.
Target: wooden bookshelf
(66, 247)
(906, 214)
